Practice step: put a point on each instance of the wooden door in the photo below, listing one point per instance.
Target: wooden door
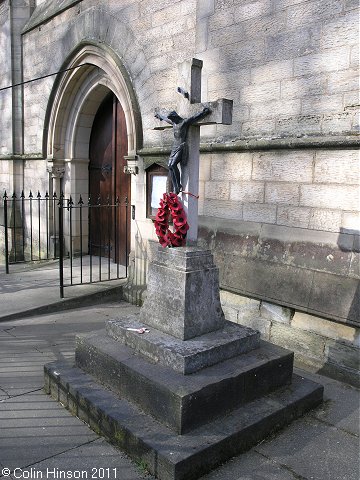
(109, 228)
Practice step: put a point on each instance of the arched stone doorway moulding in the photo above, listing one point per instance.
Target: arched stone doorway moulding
(74, 101)
(76, 96)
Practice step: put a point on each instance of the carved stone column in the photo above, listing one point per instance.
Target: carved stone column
(57, 172)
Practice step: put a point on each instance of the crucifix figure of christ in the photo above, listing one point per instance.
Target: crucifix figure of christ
(178, 152)
(186, 145)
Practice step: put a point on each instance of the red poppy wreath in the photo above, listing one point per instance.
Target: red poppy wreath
(170, 204)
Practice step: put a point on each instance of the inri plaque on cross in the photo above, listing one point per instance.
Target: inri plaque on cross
(185, 150)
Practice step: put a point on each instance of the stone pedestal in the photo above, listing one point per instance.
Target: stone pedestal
(183, 293)
(191, 391)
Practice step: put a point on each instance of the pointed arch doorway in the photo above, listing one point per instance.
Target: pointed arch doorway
(109, 228)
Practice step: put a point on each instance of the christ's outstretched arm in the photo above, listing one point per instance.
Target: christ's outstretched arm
(163, 118)
(198, 116)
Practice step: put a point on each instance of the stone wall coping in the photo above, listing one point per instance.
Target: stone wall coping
(289, 143)
(347, 241)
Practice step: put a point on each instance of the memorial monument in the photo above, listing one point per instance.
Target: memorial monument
(178, 387)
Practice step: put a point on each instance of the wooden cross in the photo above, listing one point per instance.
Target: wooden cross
(221, 113)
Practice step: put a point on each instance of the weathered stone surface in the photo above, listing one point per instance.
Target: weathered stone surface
(292, 43)
(276, 312)
(326, 220)
(183, 293)
(259, 212)
(217, 190)
(293, 216)
(182, 402)
(330, 196)
(184, 356)
(286, 193)
(337, 167)
(306, 343)
(231, 167)
(247, 192)
(283, 166)
(145, 440)
(261, 324)
(326, 328)
(48, 9)
(256, 278)
(336, 295)
(274, 263)
(338, 353)
(223, 209)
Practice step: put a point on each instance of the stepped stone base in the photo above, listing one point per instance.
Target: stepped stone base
(166, 454)
(183, 402)
(185, 357)
(192, 391)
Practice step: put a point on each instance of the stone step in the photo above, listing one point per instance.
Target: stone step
(167, 455)
(187, 356)
(183, 402)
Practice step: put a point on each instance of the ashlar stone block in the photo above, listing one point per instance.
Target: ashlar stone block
(183, 293)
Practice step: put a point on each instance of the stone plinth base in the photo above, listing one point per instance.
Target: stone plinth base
(185, 357)
(183, 296)
(164, 453)
(182, 402)
(192, 391)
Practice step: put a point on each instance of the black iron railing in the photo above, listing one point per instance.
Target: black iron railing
(29, 225)
(90, 239)
(97, 252)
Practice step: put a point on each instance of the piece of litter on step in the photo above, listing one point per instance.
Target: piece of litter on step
(138, 330)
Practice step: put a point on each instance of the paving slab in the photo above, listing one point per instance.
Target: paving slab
(22, 372)
(250, 466)
(96, 460)
(345, 418)
(337, 394)
(37, 290)
(11, 344)
(314, 450)
(34, 427)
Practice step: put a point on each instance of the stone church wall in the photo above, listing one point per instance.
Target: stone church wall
(5, 80)
(279, 188)
(5, 107)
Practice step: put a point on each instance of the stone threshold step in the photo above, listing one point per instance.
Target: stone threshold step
(167, 455)
(183, 402)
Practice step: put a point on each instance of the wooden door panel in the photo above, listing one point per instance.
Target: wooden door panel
(107, 180)
(100, 176)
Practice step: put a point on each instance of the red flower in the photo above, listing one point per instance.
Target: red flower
(170, 203)
(183, 229)
(161, 216)
(178, 242)
(163, 241)
(179, 220)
